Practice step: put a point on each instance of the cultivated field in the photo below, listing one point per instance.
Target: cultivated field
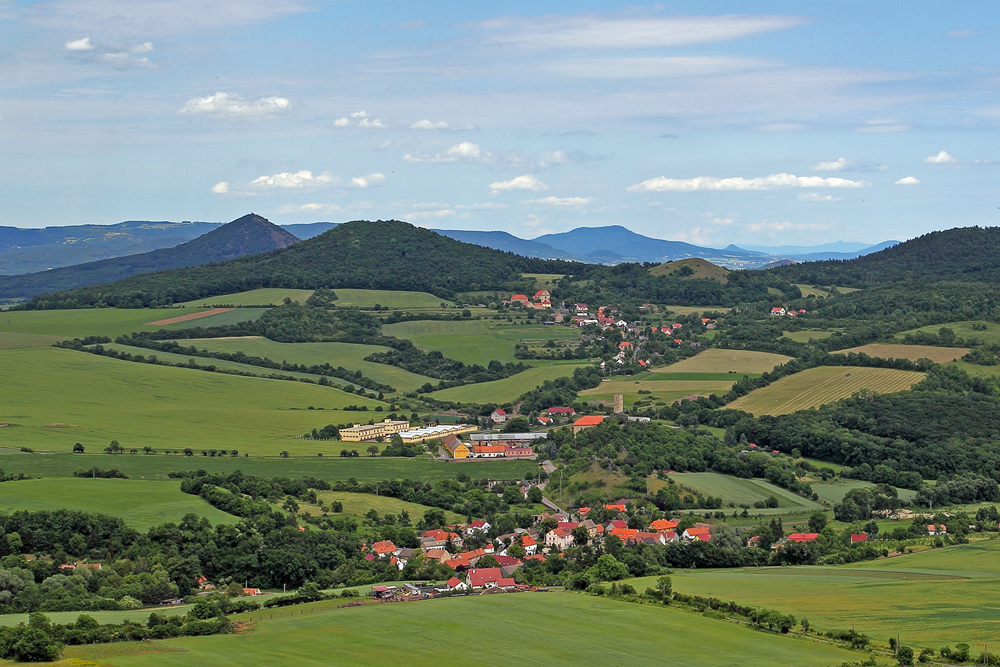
(54, 398)
(177, 319)
(668, 390)
(941, 355)
(817, 386)
(687, 310)
(348, 355)
(805, 335)
(331, 467)
(358, 504)
(932, 598)
(234, 316)
(423, 634)
(256, 297)
(85, 322)
(508, 389)
(742, 491)
(477, 341)
(140, 503)
(717, 360)
(366, 298)
(14, 341)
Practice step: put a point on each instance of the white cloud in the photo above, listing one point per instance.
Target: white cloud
(361, 119)
(314, 207)
(342, 122)
(561, 201)
(722, 221)
(738, 183)
(593, 31)
(429, 125)
(840, 164)
(372, 123)
(221, 188)
(943, 157)
(696, 235)
(961, 33)
(228, 105)
(884, 125)
(526, 182)
(465, 149)
(555, 157)
(82, 44)
(908, 180)
(289, 180)
(370, 180)
(815, 196)
(123, 60)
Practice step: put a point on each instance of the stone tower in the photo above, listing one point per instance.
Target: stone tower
(619, 404)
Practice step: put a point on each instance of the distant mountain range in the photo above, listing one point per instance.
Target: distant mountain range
(249, 235)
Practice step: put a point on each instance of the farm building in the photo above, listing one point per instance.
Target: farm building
(521, 299)
(366, 432)
(455, 447)
(488, 451)
(499, 416)
(513, 439)
(586, 422)
(432, 432)
(561, 411)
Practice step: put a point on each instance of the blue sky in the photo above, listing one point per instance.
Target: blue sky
(800, 123)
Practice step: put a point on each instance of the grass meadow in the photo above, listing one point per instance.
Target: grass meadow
(348, 355)
(330, 467)
(941, 355)
(53, 398)
(662, 389)
(717, 360)
(476, 341)
(990, 335)
(359, 504)
(508, 389)
(556, 628)
(140, 503)
(740, 491)
(256, 297)
(393, 299)
(931, 598)
(825, 384)
(806, 335)
(110, 322)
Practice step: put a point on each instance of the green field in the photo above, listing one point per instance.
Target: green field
(54, 398)
(256, 297)
(110, 322)
(393, 299)
(805, 335)
(476, 341)
(558, 629)
(348, 355)
(16, 341)
(140, 503)
(358, 504)
(717, 360)
(331, 467)
(991, 335)
(687, 310)
(662, 389)
(931, 598)
(817, 386)
(941, 355)
(507, 389)
(743, 491)
(234, 316)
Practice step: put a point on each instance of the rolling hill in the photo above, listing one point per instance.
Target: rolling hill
(356, 254)
(618, 243)
(694, 267)
(965, 254)
(248, 235)
(507, 242)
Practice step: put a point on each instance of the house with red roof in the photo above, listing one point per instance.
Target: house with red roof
(456, 584)
(485, 577)
(937, 530)
(498, 416)
(559, 538)
(385, 548)
(561, 411)
(694, 533)
(855, 538)
(529, 544)
(625, 534)
(251, 591)
(516, 451)
(584, 423)
(778, 311)
(625, 345)
(802, 537)
(617, 507)
(663, 524)
(488, 451)
(518, 299)
(616, 524)
(479, 525)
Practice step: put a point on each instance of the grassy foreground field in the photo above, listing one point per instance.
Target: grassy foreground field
(359, 504)
(941, 355)
(739, 491)
(931, 598)
(110, 322)
(54, 398)
(664, 389)
(476, 341)
(560, 628)
(366, 298)
(987, 332)
(331, 467)
(717, 360)
(817, 386)
(140, 503)
(348, 355)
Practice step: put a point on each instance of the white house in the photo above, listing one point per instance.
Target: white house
(778, 311)
(499, 416)
(559, 538)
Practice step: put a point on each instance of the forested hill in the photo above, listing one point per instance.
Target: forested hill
(967, 254)
(366, 255)
(248, 235)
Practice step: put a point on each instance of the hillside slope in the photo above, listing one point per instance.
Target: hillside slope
(506, 242)
(966, 254)
(387, 255)
(30, 250)
(694, 268)
(248, 235)
(616, 243)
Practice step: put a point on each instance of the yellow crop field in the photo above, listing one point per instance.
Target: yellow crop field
(817, 386)
(718, 360)
(941, 355)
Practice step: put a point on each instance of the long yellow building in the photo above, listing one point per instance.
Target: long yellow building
(365, 432)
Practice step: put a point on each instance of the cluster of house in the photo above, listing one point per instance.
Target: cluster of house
(780, 311)
(541, 300)
(493, 446)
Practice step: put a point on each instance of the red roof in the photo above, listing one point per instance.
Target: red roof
(479, 523)
(617, 508)
(528, 541)
(454, 582)
(859, 538)
(802, 537)
(590, 420)
(507, 561)
(618, 523)
(561, 411)
(519, 297)
(507, 582)
(625, 533)
(499, 411)
(663, 524)
(535, 557)
(484, 575)
(384, 547)
(489, 449)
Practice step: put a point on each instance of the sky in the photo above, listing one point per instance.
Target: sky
(801, 123)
